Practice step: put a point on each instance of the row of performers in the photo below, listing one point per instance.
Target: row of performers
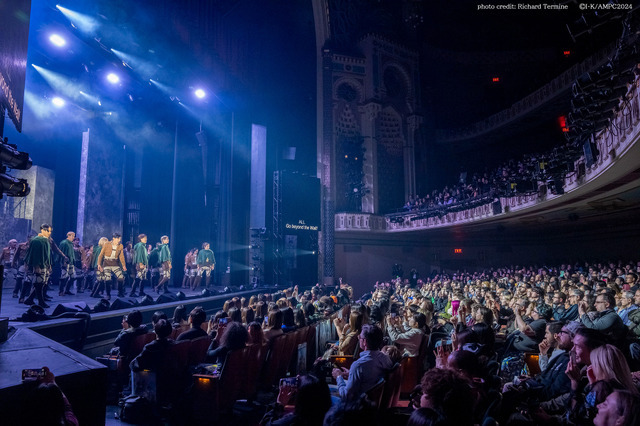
(97, 267)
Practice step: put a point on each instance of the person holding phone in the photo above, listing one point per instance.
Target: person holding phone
(52, 405)
(311, 399)
(408, 339)
(230, 337)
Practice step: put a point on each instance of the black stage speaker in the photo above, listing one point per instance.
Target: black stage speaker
(497, 207)
(123, 303)
(147, 300)
(167, 298)
(101, 306)
(71, 307)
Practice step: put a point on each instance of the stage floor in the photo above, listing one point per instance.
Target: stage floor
(9, 306)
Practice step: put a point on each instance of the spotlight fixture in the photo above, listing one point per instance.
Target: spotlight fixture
(113, 78)
(58, 102)
(200, 93)
(57, 40)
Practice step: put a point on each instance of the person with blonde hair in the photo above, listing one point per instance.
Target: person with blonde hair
(608, 363)
(349, 338)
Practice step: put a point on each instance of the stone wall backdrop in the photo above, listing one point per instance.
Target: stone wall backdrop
(100, 213)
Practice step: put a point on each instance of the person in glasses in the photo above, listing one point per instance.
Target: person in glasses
(605, 320)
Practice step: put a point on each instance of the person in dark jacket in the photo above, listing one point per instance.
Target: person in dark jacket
(157, 359)
(196, 318)
(132, 327)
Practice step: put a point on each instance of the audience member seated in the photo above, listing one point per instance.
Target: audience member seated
(620, 408)
(154, 358)
(232, 337)
(288, 320)
(368, 369)
(448, 393)
(196, 318)
(409, 339)
(605, 319)
(348, 334)
(273, 327)
(48, 405)
(311, 399)
(180, 320)
(359, 412)
(394, 354)
(132, 327)
(531, 333)
(157, 315)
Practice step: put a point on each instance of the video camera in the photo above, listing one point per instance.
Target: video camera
(11, 158)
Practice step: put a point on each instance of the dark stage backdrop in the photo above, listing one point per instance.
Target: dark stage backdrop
(14, 37)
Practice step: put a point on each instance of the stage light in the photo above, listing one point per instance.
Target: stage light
(113, 78)
(200, 93)
(58, 102)
(83, 22)
(57, 40)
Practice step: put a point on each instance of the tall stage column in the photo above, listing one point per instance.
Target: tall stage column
(101, 190)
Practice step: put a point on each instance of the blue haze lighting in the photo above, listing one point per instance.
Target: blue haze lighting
(59, 82)
(82, 22)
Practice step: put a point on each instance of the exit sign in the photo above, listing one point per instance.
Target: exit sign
(457, 251)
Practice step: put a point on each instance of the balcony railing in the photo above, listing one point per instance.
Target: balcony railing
(612, 144)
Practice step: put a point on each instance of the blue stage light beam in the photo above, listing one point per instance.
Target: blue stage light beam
(84, 23)
(144, 69)
(59, 82)
(93, 99)
(167, 90)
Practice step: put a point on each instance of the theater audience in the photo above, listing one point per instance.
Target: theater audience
(197, 317)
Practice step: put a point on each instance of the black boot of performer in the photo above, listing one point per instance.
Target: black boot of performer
(107, 286)
(69, 286)
(134, 287)
(121, 288)
(48, 284)
(208, 281)
(142, 293)
(196, 283)
(37, 291)
(96, 289)
(18, 288)
(26, 291)
(62, 284)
